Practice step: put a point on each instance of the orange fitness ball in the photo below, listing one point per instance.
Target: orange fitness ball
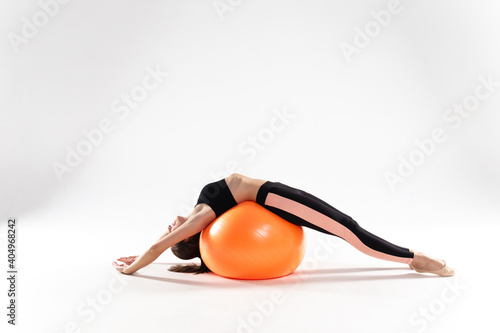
(250, 242)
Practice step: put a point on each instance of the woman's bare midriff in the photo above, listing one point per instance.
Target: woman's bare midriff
(243, 188)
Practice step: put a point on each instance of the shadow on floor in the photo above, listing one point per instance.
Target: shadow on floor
(303, 277)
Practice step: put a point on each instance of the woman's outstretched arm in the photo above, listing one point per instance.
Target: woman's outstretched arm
(198, 220)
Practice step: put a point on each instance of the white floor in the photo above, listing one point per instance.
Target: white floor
(66, 284)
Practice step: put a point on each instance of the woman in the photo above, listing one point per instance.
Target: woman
(295, 206)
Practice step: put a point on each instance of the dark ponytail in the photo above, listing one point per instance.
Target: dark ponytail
(188, 250)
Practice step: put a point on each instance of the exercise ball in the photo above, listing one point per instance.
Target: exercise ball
(250, 242)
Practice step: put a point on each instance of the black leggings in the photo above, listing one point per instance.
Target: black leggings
(304, 209)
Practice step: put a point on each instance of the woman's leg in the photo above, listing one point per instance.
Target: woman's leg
(304, 209)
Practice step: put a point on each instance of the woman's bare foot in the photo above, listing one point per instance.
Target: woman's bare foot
(423, 263)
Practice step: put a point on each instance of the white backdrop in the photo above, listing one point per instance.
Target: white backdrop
(116, 113)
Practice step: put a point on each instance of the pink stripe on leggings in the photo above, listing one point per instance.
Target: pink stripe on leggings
(328, 224)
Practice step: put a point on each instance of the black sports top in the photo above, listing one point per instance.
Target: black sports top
(218, 196)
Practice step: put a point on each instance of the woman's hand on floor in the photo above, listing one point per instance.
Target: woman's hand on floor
(128, 260)
(119, 266)
(123, 262)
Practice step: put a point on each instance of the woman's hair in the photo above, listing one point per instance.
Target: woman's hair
(189, 249)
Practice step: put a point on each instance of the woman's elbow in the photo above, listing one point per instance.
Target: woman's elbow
(155, 250)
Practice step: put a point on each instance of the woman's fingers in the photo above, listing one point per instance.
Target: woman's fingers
(127, 258)
(119, 268)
